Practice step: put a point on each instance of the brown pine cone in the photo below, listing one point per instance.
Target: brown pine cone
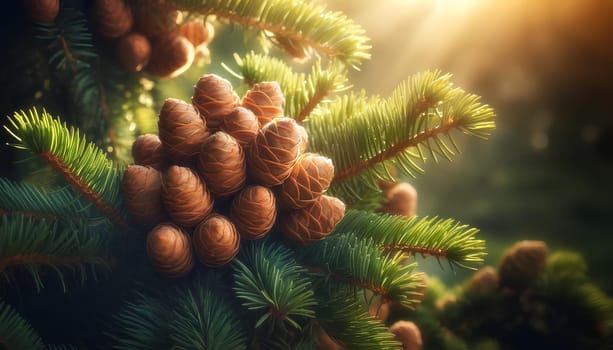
(181, 131)
(195, 31)
(185, 196)
(214, 98)
(254, 211)
(147, 150)
(133, 52)
(408, 334)
(216, 241)
(265, 100)
(141, 189)
(304, 138)
(155, 17)
(170, 250)
(241, 124)
(484, 281)
(114, 18)
(522, 263)
(314, 222)
(274, 152)
(400, 199)
(171, 55)
(309, 179)
(222, 165)
(42, 10)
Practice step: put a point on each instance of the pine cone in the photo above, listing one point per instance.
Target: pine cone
(42, 10)
(408, 334)
(314, 222)
(195, 31)
(309, 179)
(304, 138)
(265, 100)
(254, 211)
(114, 18)
(147, 150)
(214, 98)
(241, 124)
(216, 241)
(401, 199)
(181, 130)
(185, 196)
(141, 189)
(133, 52)
(222, 165)
(483, 282)
(274, 152)
(170, 250)
(522, 264)
(171, 55)
(155, 17)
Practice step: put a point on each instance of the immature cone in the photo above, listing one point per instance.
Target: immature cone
(155, 17)
(185, 197)
(309, 179)
(170, 250)
(484, 281)
(241, 124)
(42, 10)
(314, 222)
(181, 130)
(401, 199)
(254, 211)
(141, 188)
(266, 101)
(222, 165)
(408, 334)
(171, 55)
(216, 241)
(133, 51)
(522, 264)
(214, 98)
(113, 17)
(195, 31)
(274, 152)
(147, 150)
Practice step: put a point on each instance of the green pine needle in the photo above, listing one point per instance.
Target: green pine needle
(83, 164)
(269, 282)
(38, 246)
(295, 26)
(440, 238)
(16, 332)
(415, 122)
(361, 263)
(302, 93)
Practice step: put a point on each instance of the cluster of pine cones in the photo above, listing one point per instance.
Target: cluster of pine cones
(224, 169)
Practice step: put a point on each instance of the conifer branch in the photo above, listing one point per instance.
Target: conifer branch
(440, 238)
(296, 27)
(270, 282)
(82, 164)
(15, 331)
(302, 93)
(359, 262)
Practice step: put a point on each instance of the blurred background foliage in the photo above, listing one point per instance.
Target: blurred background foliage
(544, 66)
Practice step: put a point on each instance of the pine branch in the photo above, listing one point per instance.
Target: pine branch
(440, 238)
(302, 93)
(269, 282)
(37, 245)
(296, 27)
(421, 112)
(15, 331)
(82, 164)
(347, 321)
(61, 204)
(361, 263)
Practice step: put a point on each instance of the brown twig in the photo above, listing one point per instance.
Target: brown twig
(313, 102)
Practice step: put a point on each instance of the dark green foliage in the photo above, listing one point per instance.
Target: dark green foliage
(440, 238)
(38, 246)
(268, 281)
(361, 263)
(15, 332)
